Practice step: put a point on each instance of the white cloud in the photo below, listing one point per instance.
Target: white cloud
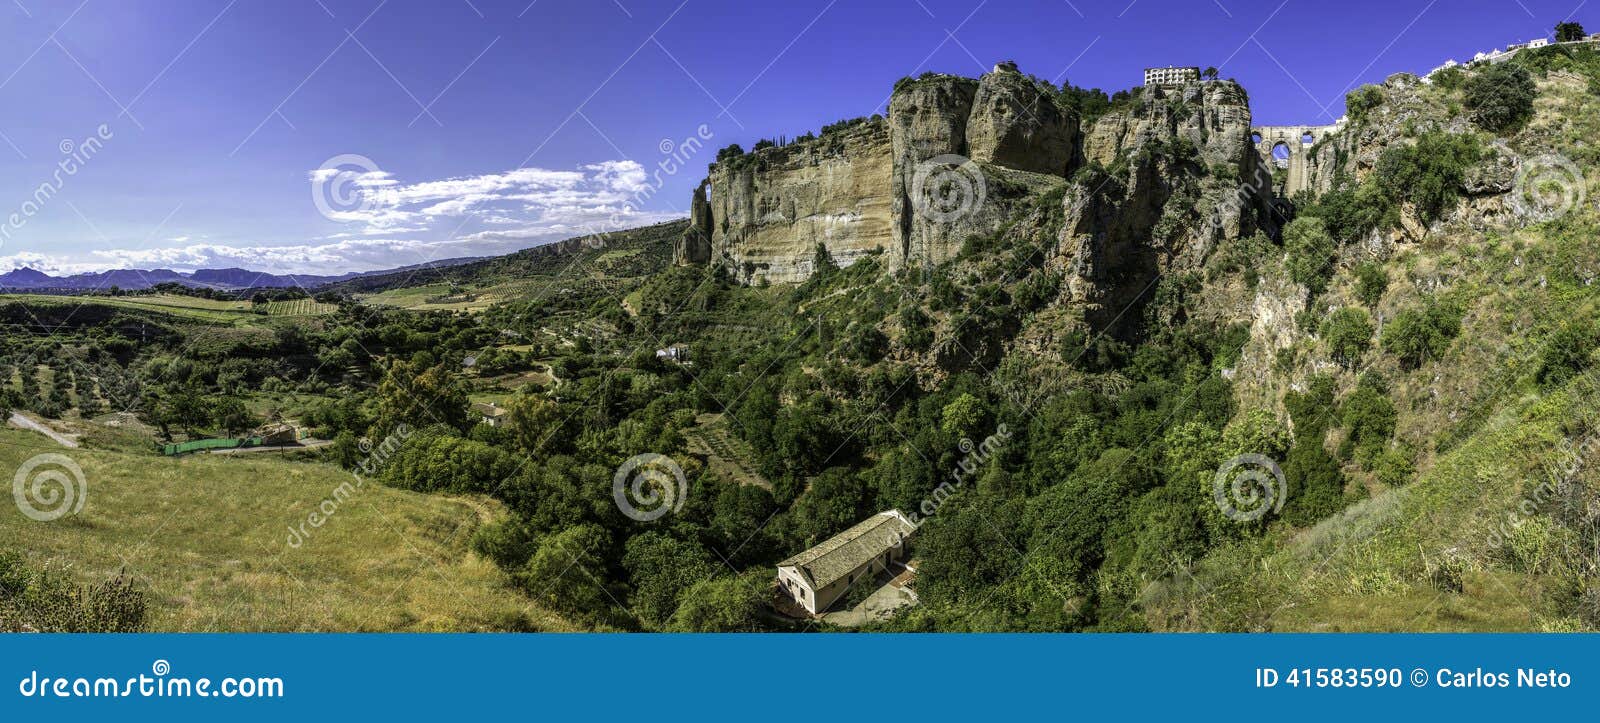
(523, 196)
(481, 215)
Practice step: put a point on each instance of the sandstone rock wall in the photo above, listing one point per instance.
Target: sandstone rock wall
(766, 211)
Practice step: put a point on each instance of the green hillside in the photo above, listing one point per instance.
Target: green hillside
(206, 539)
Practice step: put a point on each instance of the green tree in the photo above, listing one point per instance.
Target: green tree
(1369, 417)
(661, 567)
(1429, 173)
(1371, 282)
(1567, 32)
(231, 416)
(566, 570)
(724, 605)
(419, 397)
(1315, 483)
(1500, 97)
(961, 416)
(1349, 333)
(431, 462)
(1418, 335)
(538, 426)
(1310, 249)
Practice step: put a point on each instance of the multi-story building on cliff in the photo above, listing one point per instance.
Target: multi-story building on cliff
(1171, 75)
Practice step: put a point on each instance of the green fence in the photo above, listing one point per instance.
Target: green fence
(199, 445)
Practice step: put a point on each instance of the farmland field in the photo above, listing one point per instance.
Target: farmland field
(186, 306)
(299, 307)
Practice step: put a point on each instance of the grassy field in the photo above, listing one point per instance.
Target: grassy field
(207, 537)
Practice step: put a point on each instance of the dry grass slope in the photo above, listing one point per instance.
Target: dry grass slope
(207, 538)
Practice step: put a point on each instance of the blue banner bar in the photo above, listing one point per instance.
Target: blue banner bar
(744, 677)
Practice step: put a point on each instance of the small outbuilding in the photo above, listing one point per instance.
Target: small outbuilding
(491, 413)
(821, 575)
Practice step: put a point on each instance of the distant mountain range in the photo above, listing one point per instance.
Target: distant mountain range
(26, 279)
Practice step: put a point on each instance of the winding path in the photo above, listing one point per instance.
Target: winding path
(18, 420)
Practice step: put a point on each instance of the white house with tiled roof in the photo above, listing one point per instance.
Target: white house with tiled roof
(821, 575)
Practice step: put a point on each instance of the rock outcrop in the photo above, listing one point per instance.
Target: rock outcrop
(957, 158)
(695, 246)
(767, 210)
(1173, 176)
(927, 120)
(1016, 125)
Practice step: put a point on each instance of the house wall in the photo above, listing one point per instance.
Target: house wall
(793, 584)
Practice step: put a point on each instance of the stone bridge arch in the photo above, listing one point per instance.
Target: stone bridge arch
(1297, 140)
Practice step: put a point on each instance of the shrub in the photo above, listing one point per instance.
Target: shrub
(1371, 282)
(1450, 78)
(1429, 173)
(1358, 102)
(916, 329)
(1350, 211)
(1311, 410)
(1500, 97)
(1349, 333)
(1316, 486)
(1370, 418)
(1417, 335)
(1566, 354)
(1310, 249)
(1393, 467)
(34, 600)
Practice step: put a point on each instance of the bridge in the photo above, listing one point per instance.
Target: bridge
(1295, 160)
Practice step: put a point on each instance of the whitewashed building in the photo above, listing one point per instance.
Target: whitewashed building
(1171, 75)
(818, 577)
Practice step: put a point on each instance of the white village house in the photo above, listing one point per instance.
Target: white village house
(821, 575)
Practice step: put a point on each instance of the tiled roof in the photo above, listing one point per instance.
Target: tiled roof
(843, 553)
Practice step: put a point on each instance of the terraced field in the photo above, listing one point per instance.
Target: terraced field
(728, 455)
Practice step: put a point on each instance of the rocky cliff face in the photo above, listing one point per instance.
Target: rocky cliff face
(954, 158)
(958, 157)
(1400, 109)
(1172, 176)
(927, 119)
(763, 213)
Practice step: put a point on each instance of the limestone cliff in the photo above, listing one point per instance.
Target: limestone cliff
(764, 212)
(927, 119)
(957, 158)
(1173, 175)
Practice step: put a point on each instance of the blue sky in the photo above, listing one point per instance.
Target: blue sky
(194, 130)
